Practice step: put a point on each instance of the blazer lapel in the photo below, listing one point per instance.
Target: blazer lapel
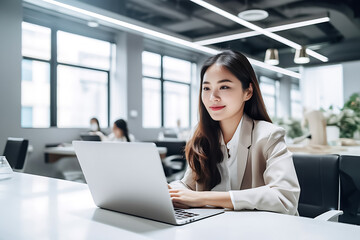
(245, 140)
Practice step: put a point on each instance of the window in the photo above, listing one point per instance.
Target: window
(296, 107)
(82, 79)
(35, 80)
(322, 87)
(166, 91)
(65, 78)
(81, 94)
(270, 92)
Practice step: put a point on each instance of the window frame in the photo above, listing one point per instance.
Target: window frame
(163, 80)
(276, 83)
(55, 24)
(296, 86)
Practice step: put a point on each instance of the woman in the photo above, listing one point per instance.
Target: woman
(120, 132)
(237, 158)
(94, 125)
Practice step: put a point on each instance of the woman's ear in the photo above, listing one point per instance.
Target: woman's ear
(249, 92)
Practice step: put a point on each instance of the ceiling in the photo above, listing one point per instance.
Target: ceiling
(338, 40)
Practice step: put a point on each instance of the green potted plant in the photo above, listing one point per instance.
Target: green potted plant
(348, 119)
(292, 127)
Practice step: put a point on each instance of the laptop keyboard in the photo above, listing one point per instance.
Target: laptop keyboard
(183, 214)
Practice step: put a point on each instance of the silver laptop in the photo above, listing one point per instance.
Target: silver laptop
(129, 178)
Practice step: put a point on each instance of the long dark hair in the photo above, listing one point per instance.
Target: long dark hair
(203, 151)
(121, 123)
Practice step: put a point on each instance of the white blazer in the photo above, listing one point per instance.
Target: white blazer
(265, 168)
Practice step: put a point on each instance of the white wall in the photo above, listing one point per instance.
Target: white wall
(351, 75)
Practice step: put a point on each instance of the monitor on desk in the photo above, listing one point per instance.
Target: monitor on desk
(90, 137)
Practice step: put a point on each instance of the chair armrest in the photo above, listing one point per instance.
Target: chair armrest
(331, 215)
(175, 161)
(168, 159)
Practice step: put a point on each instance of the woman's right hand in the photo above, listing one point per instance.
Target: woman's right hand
(177, 205)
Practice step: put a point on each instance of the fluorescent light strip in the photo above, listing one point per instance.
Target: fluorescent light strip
(166, 37)
(135, 27)
(254, 33)
(257, 28)
(274, 68)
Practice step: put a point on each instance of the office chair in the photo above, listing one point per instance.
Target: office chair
(318, 177)
(174, 163)
(350, 189)
(15, 152)
(68, 168)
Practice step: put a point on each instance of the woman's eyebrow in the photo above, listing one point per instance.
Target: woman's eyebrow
(224, 80)
(220, 81)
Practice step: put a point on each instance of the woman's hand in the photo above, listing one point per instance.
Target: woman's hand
(185, 198)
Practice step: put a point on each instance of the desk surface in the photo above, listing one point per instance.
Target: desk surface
(318, 149)
(34, 207)
(69, 150)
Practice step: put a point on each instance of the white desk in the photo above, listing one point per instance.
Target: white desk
(55, 153)
(34, 207)
(317, 149)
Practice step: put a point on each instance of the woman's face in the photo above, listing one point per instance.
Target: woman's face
(93, 125)
(117, 131)
(222, 94)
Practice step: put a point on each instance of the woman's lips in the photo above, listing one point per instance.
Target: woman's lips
(216, 108)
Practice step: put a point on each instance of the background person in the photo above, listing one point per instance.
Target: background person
(120, 132)
(94, 125)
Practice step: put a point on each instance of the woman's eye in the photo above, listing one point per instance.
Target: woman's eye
(224, 87)
(206, 88)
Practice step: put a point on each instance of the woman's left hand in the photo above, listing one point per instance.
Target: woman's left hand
(186, 197)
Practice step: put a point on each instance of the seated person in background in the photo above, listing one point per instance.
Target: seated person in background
(120, 132)
(237, 158)
(94, 125)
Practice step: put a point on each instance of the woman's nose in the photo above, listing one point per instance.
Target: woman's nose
(214, 96)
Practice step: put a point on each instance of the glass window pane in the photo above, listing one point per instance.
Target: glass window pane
(267, 89)
(296, 110)
(84, 51)
(35, 94)
(81, 95)
(270, 105)
(295, 95)
(26, 117)
(177, 69)
(36, 41)
(151, 64)
(151, 103)
(176, 101)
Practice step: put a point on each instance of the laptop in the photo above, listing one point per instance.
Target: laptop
(90, 137)
(128, 177)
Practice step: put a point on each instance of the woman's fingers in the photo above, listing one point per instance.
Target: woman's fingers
(179, 205)
(173, 190)
(172, 195)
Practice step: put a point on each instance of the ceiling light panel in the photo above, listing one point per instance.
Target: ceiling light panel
(67, 8)
(257, 28)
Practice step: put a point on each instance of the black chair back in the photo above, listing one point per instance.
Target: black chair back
(350, 189)
(15, 152)
(173, 147)
(318, 177)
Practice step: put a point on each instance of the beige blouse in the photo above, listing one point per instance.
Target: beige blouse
(265, 171)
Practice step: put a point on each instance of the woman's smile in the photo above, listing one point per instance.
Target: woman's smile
(216, 108)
